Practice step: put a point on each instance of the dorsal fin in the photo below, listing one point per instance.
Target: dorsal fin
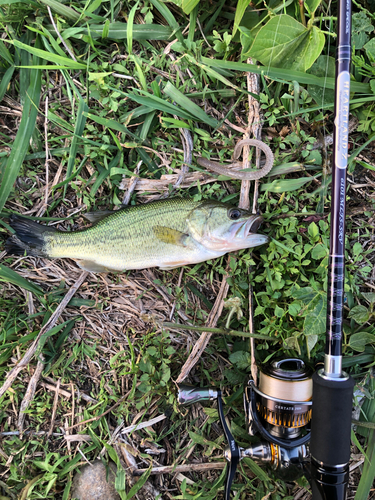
(99, 215)
(95, 217)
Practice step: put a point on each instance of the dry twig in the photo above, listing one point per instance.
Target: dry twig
(171, 469)
(203, 340)
(30, 392)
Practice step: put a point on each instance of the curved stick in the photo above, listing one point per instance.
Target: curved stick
(228, 170)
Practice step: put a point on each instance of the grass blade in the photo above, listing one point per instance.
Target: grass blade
(189, 5)
(284, 75)
(240, 11)
(189, 105)
(159, 104)
(24, 134)
(5, 54)
(62, 9)
(113, 124)
(78, 131)
(287, 185)
(169, 17)
(368, 473)
(5, 81)
(119, 31)
(7, 275)
(129, 33)
(54, 58)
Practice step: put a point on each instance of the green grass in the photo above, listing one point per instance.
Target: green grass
(124, 100)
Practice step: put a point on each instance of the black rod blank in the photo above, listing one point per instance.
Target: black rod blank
(336, 269)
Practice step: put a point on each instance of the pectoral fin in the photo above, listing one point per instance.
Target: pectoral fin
(168, 235)
(93, 267)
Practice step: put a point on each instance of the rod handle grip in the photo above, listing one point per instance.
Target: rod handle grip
(331, 419)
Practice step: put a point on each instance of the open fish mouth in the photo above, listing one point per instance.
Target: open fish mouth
(249, 229)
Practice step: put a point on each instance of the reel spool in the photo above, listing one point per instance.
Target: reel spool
(283, 398)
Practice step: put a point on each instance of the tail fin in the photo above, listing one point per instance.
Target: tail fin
(29, 238)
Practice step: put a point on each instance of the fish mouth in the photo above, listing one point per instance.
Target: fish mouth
(248, 229)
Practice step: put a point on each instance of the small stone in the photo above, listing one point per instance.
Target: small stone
(93, 483)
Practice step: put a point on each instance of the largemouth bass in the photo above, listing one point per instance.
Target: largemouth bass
(167, 234)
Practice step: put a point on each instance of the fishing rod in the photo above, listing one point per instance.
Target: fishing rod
(290, 407)
(332, 388)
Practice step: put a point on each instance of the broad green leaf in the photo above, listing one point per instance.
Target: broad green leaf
(282, 186)
(48, 56)
(7, 275)
(359, 340)
(292, 343)
(247, 39)
(369, 296)
(294, 308)
(315, 320)
(311, 341)
(360, 314)
(313, 230)
(357, 249)
(242, 359)
(285, 43)
(319, 251)
(188, 5)
(361, 26)
(24, 134)
(279, 312)
(370, 48)
(306, 294)
(313, 4)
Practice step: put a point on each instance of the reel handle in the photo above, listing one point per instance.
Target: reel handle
(189, 394)
(232, 453)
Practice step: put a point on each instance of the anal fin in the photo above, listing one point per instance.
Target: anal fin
(93, 267)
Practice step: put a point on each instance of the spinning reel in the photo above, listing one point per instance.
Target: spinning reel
(278, 409)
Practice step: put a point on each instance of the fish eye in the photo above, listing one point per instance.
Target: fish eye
(234, 213)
